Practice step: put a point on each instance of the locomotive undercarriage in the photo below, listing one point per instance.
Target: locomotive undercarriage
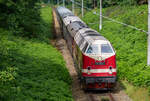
(98, 83)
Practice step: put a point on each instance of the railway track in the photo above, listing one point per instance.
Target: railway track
(111, 97)
(92, 97)
(100, 97)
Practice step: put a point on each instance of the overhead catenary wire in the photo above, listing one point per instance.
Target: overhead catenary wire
(130, 26)
(133, 27)
(80, 5)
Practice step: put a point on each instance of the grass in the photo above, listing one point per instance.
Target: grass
(136, 93)
(46, 15)
(32, 70)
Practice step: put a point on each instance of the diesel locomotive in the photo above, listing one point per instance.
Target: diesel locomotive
(93, 54)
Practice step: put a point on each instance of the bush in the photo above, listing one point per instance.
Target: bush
(22, 18)
(31, 70)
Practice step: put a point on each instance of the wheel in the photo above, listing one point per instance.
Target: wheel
(84, 87)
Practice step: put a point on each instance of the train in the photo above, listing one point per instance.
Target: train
(94, 56)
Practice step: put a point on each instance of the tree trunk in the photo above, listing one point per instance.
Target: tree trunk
(140, 2)
(94, 3)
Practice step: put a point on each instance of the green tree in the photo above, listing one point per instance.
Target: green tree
(22, 17)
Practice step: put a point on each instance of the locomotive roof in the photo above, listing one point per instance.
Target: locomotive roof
(64, 12)
(67, 14)
(79, 30)
(75, 26)
(88, 35)
(91, 37)
(70, 19)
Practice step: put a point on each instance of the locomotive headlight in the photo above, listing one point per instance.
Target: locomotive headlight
(110, 69)
(88, 70)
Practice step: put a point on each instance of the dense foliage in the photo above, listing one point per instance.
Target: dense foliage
(106, 3)
(130, 44)
(22, 17)
(31, 69)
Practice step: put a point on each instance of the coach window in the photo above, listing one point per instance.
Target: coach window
(93, 49)
(106, 48)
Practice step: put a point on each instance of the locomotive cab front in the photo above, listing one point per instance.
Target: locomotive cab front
(99, 69)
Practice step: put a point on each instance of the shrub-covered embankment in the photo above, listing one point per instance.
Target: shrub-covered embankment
(30, 68)
(130, 44)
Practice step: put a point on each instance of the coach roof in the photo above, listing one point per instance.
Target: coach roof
(64, 12)
(70, 19)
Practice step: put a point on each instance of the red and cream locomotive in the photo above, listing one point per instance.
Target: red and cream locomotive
(94, 56)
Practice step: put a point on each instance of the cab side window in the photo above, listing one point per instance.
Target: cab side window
(89, 49)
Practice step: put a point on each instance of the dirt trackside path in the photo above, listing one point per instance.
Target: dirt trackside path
(61, 45)
(77, 92)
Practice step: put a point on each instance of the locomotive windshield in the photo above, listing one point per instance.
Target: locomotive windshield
(93, 49)
(105, 48)
(99, 49)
